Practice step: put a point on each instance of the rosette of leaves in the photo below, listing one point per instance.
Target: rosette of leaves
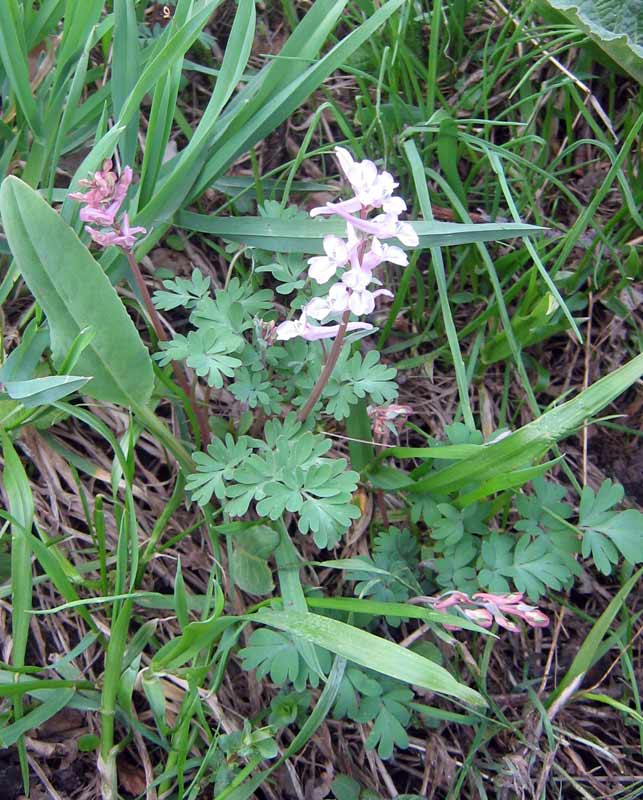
(286, 472)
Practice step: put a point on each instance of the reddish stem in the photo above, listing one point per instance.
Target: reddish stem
(162, 336)
(326, 372)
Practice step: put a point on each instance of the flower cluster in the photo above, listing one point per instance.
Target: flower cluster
(388, 420)
(484, 609)
(103, 200)
(357, 256)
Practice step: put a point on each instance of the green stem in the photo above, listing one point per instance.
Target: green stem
(162, 336)
(112, 681)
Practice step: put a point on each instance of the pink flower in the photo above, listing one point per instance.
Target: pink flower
(485, 608)
(105, 196)
(350, 293)
(372, 189)
(122, 236)
(387, 420)
(379, 253)
(383, 226)
(103, 202)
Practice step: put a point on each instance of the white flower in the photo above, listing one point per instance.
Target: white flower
(401, 230)
(384, 252)
(372, 189)
(301, 327)
(322, 268)
(357, 279)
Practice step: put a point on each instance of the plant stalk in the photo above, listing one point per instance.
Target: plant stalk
(162, 336)
(318, 388)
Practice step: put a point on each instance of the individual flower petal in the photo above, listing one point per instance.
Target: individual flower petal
(350, 206)
(125, 237)
(346, 160)
(380, 253)
(321, 268)
(452, 599)
(480, 616)
(535, 618)
(338, 296)
(361, 303)
(393, 205)
(301, 327)
(402, 230)
(100, 216)
(318, 308)
(316, 332)
(289, 329)
(356, 279)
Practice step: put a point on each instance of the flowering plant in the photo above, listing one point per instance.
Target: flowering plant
(356, 257)
(102, 202)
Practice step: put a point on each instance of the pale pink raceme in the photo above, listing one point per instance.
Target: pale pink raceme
(358, 255)
(103, 201)
(485, 608)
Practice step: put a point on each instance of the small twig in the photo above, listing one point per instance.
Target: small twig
(162, 336)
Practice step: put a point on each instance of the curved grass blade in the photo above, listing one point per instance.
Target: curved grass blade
(533, 440)
(369, 651)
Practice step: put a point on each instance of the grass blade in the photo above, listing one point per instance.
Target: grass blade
(21, 506)
(417, 170)
(278, 235)
(587, 654)
(370, 651)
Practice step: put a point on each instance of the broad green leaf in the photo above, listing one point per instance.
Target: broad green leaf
(281, 237)
(357, 605)
(75, 294)
(251, 546)
(615, 25)
(367, 650)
